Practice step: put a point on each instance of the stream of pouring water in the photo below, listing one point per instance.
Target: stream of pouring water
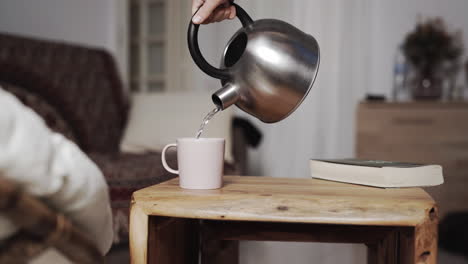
(206, 120)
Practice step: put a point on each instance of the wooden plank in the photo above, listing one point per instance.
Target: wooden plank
(138, 234)
(293, 232)
(288, 200)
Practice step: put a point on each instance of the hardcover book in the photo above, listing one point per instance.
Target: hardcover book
(377, 173)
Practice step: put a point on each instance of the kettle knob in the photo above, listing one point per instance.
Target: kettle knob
(194, 49)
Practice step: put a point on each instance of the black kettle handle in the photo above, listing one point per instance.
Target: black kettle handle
(192, 38)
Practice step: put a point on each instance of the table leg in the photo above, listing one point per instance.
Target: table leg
(419, 245)
(162, 240)
(408, 245)
(138, 235)
(384, 251)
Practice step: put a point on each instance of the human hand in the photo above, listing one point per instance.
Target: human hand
(210, 11)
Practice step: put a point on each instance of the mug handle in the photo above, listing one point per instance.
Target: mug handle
(163, 158)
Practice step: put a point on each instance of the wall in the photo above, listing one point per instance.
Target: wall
(390, 22)
(88, 22)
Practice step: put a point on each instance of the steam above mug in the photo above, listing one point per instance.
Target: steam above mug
(267, 69)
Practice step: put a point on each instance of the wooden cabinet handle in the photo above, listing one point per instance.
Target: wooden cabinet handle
(413, 121)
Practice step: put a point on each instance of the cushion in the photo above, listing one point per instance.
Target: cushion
(49, 166)
(51, 116)
(159, 119)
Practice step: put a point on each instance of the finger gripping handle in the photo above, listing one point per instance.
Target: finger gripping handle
(194, 49)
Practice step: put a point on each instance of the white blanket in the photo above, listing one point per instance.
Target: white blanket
(50, 166)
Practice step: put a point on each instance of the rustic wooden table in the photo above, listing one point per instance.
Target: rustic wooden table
(169, 224)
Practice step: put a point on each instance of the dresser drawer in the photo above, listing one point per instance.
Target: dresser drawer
(414, 125)
(434, 133)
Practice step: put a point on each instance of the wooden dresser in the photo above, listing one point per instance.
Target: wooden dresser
(422, 132)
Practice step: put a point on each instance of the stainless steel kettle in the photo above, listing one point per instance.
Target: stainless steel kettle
(268, 67)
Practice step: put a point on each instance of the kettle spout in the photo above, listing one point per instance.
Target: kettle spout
(226, 96)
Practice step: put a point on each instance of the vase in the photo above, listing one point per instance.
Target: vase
(426, 86)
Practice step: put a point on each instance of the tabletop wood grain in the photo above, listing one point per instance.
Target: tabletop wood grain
(288, 200)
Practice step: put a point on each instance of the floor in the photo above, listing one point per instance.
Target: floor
(118, 255)
(448, 258)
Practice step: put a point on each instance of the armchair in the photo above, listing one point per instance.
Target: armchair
(78, 92)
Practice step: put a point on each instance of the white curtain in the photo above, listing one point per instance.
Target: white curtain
(323, 126)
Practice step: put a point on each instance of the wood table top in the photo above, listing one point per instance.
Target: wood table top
(291, 200)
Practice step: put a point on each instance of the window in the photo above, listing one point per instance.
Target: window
(147, 43)
(157, 47)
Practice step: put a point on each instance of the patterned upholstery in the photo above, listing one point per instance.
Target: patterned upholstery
(79, 82)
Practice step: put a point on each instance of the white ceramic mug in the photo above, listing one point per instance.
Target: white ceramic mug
(200, 161)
